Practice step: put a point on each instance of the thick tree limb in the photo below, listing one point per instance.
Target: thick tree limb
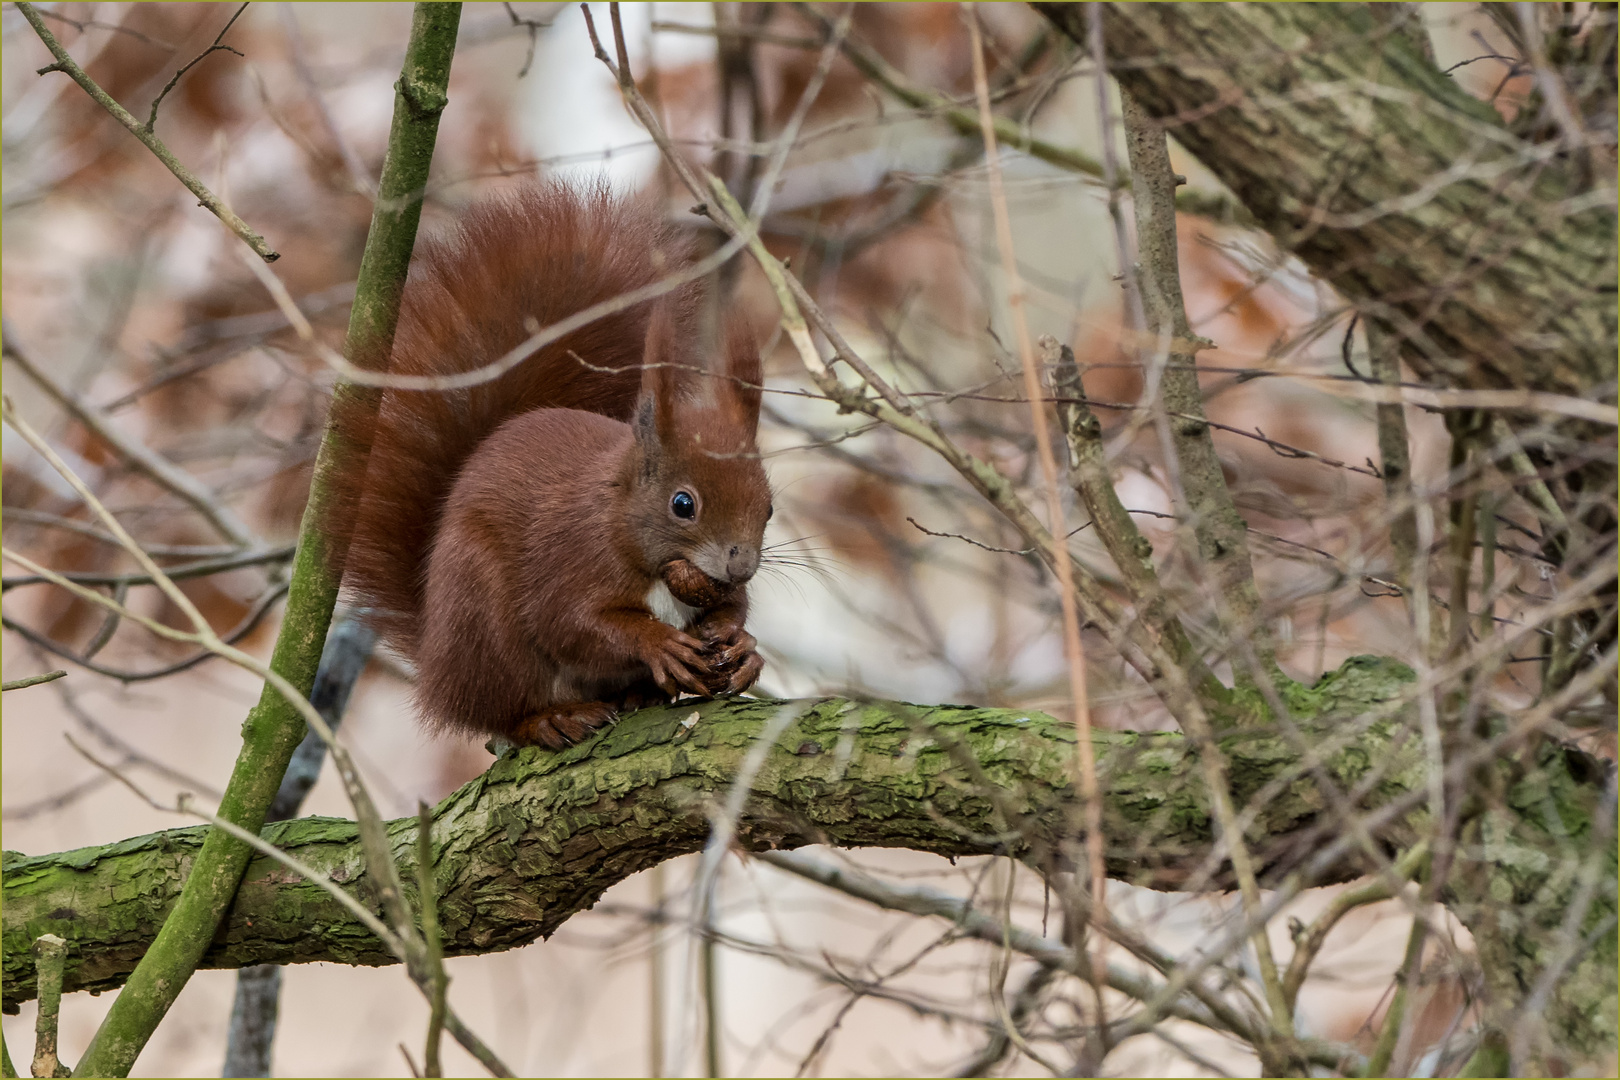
(541, 836)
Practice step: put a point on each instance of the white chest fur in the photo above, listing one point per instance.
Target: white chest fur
(666, 609)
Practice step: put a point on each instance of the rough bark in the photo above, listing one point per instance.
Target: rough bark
(541, 836)
(1493, 257)
(1221, 531)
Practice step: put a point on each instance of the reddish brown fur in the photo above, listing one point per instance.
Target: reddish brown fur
(507, 535)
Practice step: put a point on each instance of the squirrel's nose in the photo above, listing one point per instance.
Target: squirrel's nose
(741, 562)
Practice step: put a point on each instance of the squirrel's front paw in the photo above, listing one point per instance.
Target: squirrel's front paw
(559, 726)
(677, 663)
(735, 663)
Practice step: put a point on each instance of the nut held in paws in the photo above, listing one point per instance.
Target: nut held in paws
(692, 586)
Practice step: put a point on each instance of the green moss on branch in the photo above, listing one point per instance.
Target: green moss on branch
(540, 836)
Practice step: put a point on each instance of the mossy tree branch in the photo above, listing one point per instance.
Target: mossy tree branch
(541, 836)
(1394, 455)
(273, 728)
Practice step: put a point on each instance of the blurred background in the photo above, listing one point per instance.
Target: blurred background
(903, 583)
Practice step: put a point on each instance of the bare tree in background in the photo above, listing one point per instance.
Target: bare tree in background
(1219, 398)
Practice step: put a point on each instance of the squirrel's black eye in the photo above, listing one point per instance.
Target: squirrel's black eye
(770, 512)
(683, 505)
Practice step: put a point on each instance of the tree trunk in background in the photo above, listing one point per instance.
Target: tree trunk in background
(1490, 257)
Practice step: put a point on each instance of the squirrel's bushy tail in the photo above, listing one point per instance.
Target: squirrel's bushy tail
(512, 265)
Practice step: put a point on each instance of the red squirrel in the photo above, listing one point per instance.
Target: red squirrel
(574, 538)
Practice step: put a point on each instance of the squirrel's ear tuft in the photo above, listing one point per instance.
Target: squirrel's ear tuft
(740, 389)
(660, 378)
(645, 424)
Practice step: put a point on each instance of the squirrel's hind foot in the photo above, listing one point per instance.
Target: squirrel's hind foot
(559, 726)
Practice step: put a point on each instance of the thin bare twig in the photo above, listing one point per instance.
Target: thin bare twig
(1554, 92)
(54, 802)
(533, 26)
(70, 697)
(1596, 412)
(1309, 944)
(32, 680)
(151, 120)
(82, 24)
(23, 514)
(1190, 1002)
(963, 118)
(358, 177)
(256, 613)
(183, 572)
(427, 893)
(753, 33)
(65, 64)
(1218, 527)
(1093, 481)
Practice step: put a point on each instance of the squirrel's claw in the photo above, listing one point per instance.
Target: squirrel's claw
(747, 673)
(741, 644)
(736, 665)
(677, 663)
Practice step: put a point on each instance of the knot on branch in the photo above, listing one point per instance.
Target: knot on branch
(423, 99)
